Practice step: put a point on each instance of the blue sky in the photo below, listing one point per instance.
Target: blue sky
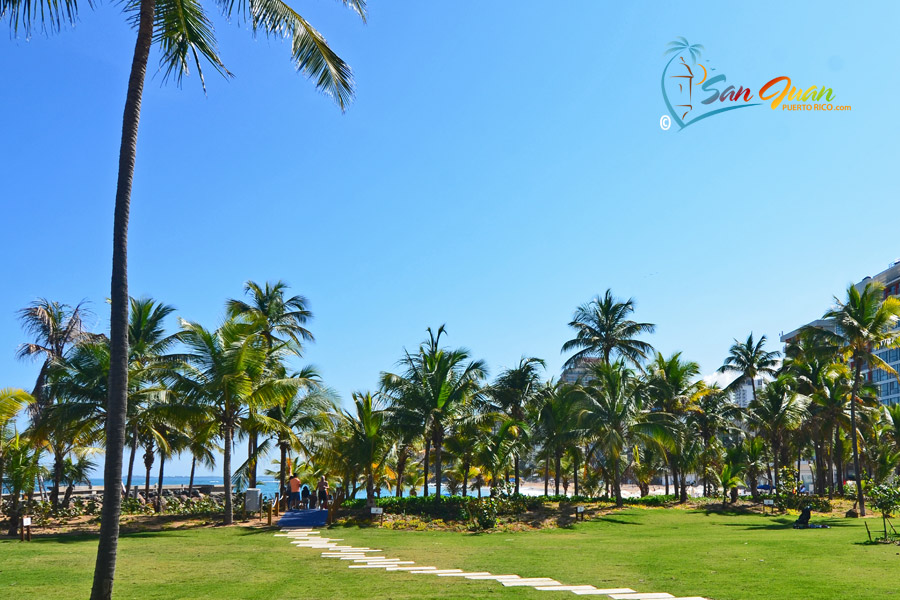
(499, 167)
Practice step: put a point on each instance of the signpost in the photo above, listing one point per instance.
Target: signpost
(378, 511)
(579, 513)
(768, 502)
(26, 529)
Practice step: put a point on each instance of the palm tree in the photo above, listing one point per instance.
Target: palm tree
(54, 327)
(436, 384)
(749, 359)
(363, 438)
(23, 466)
(558, 409)
(512, 394)
(615, 418)
(777, 411)
(11, 402)
(227, 371)
(864, 323)
(281, 321)
(183, 33)
(604, 330)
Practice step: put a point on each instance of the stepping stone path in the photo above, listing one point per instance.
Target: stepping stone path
(300, 531)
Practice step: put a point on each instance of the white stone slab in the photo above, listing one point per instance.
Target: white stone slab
(564, 588)
(604, 592)
(643, 596)
(531, 581)
(463, 574)
(497, 577)
(417, 568)
(437, 572)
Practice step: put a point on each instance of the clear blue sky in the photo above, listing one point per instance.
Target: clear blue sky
(500, 165)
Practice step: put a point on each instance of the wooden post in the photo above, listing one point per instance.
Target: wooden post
(269, 511)
(28, 533)
(277, 503)
(22, 532)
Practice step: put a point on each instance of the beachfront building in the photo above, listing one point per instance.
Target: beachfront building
(580, 373)
(887, 385)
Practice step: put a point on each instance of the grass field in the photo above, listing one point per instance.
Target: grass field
(722, 557)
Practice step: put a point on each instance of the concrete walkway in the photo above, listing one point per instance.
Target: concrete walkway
(307, 536)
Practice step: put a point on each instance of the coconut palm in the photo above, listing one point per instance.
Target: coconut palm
(778, 410)
(863, 323)
(363, 438)
(12, 401)
(436, 384)
(615, 419)
(749, 359)
(557, 412)
(22, 468)
(54, 327)
(603, 329)
(512, 394)
(227, 372)
(281, 321)
(183, 33)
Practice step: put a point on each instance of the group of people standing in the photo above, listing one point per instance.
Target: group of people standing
(302, 497)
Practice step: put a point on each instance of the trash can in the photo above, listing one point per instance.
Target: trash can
(252, 500)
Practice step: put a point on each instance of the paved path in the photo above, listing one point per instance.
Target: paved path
(307, 536)
(303, 518)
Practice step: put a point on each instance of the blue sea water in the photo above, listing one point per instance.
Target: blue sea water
(269, 487)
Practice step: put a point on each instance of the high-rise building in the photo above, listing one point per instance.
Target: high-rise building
(580, 372)
(886, 384)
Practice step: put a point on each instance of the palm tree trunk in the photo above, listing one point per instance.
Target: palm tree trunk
(831, 467)
(14, 512)
(134, 445)
(401, 469)
(465, 485)
(282, 471)
(575, 473)
(617, 487)
(427, 452)
(438, 439)
(547, 477)
(557, 465)
(57, 478)
(516, 468)
(148, 464)
(226, 474)
(1, 478)
(860, 498)
(251, 447)
(159, 484)
(666, 476)
(191, 480)
(105, 566)
(776, 449)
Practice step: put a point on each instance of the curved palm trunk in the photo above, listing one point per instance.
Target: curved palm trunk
(134, 445)
(105, 567)
(148, 464)
(860, 498)
(191, 480)
(159, 484)
(57, 478)
(226, 475)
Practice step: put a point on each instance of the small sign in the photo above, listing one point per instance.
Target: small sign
(579, 509)
(26, 521)
(376, 510)
(769, 502)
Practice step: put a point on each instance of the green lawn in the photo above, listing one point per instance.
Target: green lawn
(723, 557)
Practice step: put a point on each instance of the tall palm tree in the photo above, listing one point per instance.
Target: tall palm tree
(615, 418)
(54, 327)
(183, 33)
(558, 410)
(281, 321)
(436, 384)
(864, 323)
(749, 359)
(778, 410)
(227, 371)
(512, 394)
(363, 438)
(603, 329)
